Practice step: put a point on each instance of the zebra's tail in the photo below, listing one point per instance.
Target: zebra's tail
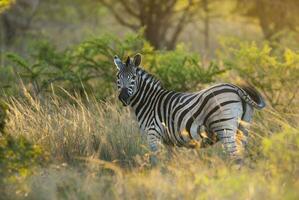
(251, 96)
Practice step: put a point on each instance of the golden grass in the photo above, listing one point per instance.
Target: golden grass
(97, 152)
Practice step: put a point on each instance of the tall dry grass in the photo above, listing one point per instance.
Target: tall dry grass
(72, 128)
(97, 152)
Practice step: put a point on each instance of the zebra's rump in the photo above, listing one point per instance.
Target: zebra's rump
(212, 108)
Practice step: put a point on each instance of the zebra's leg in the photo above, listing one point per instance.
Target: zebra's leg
(153, 141)
(228, 138)
(243, 125)
(242, 135)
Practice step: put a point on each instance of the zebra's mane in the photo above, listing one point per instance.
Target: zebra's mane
(148, 76)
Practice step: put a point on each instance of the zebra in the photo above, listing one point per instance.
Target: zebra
(199, 119)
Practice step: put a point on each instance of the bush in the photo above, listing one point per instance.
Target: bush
(78, 69)
(88, 67)
(18, 156)
(181, 70)
(281, 153)
(5, 4)
(275, 75)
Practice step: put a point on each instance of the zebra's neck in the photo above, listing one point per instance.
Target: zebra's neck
(144, 100)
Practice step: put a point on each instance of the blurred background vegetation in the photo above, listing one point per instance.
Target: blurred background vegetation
(69, 44)
(186, 43)
(59, 117)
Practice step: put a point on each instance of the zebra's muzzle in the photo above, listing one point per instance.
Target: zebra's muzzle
(124, 96)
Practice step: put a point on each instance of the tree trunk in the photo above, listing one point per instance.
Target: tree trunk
(206, 27)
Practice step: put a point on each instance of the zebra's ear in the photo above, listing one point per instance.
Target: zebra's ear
(117, 62)
(137, 60)
(128, 61)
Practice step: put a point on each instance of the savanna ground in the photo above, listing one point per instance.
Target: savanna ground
(94, 150)
(64, 135)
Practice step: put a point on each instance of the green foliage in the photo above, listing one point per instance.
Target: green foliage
(3, 109)
(78, 69)
(182, 70)
(18, 156)
(274, 75)
(282, 148)
(5, 4)
(89, 66)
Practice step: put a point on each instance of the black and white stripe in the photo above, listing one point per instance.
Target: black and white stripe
(179, 118)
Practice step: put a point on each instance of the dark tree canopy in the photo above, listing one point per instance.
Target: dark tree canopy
(273, 16)
(17, 19)
(162, 20)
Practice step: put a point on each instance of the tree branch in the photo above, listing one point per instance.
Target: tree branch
(170, 6)
(117, 16)
(131, 11)
(181, 24)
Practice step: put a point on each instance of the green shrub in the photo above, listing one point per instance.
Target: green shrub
(84, 67)
(181, 70)
(88, 67)
(281, 153)
(18, 156)
(5, 4)
(275, 75)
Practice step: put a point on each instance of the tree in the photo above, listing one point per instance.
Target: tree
(273, 16)
(18, 18)
(4, 4)
(206, 24)
(208, 11)
(163, 20)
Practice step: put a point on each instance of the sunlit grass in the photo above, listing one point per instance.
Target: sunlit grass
(96, 151)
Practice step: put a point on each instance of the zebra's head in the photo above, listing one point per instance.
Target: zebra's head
(126, 77)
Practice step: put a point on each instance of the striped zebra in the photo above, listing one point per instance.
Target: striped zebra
(186, 119)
